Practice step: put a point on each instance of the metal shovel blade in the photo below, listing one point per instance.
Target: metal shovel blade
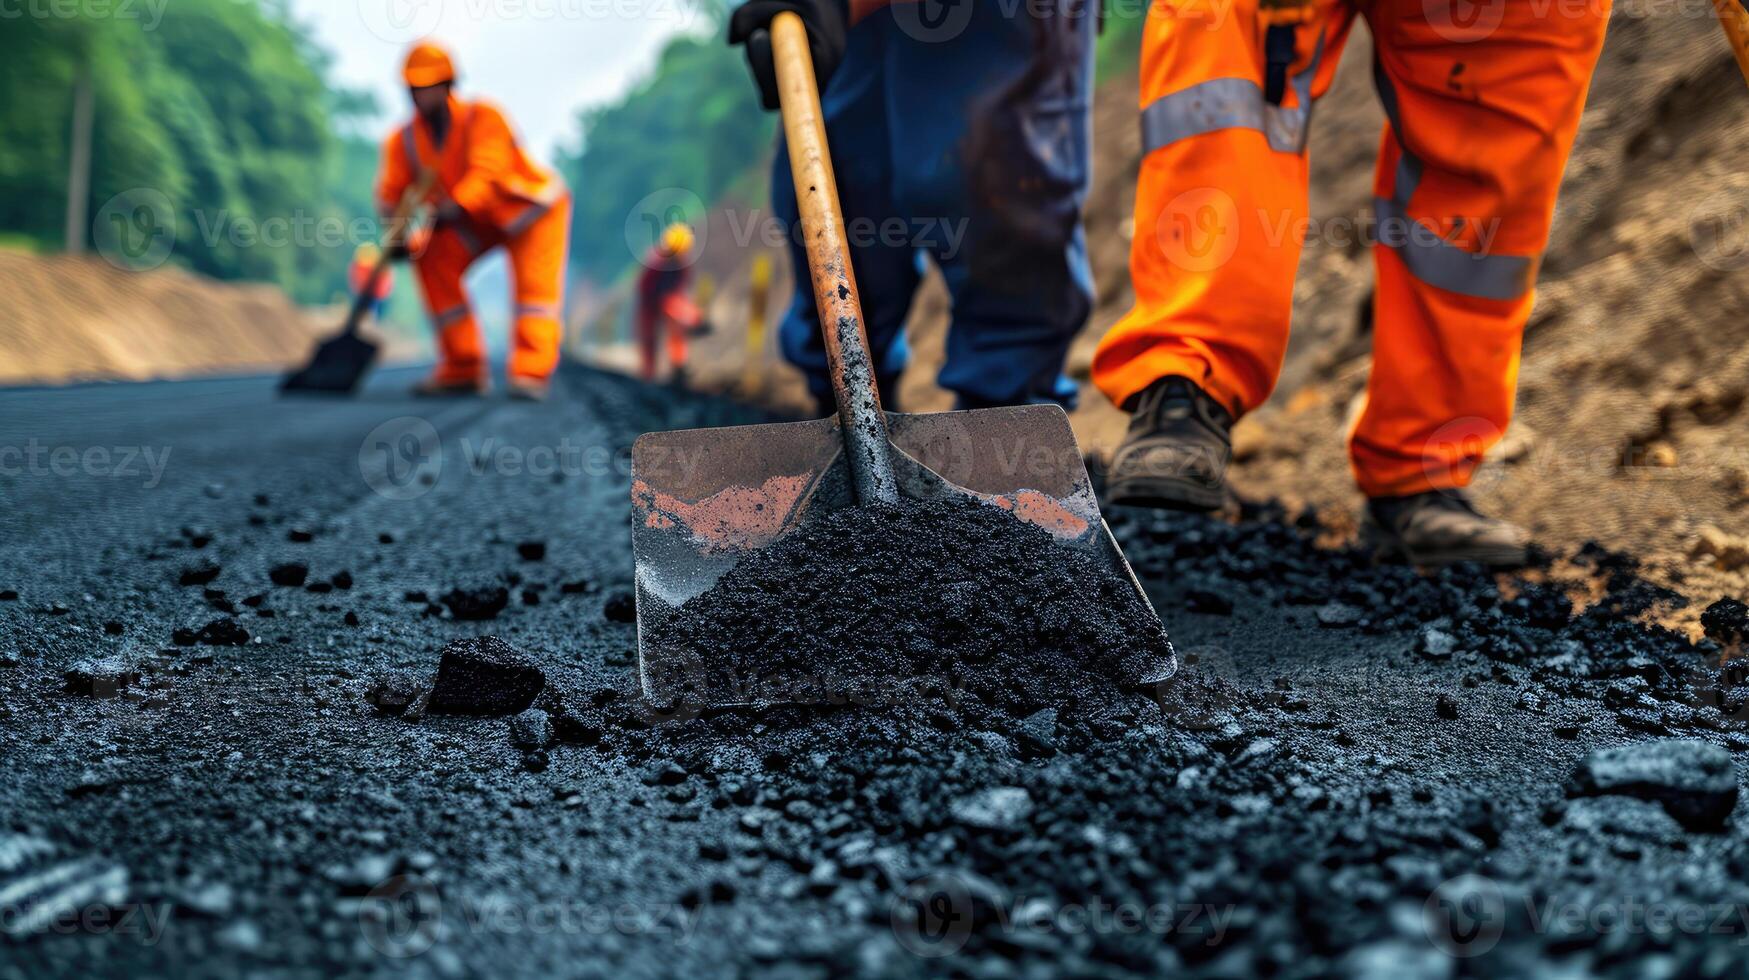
(704, 499)
(336, 368)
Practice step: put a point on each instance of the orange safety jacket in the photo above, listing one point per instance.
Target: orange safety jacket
(480, 167)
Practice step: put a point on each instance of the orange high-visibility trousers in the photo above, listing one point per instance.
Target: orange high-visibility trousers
(674, 316)
(537, 266)
(1483, 99)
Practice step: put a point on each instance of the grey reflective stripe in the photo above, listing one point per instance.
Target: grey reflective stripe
(522, 221)
(1430, 258)
(1441, 264)
(466, 234)
(1232, 103)
(410, 144)
(446, 317)
(538, 309)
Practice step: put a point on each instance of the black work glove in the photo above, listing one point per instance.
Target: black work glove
(398, 252)
(828, 23)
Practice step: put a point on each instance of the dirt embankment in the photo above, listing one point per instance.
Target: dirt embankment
(1631, 406)
(71, 319)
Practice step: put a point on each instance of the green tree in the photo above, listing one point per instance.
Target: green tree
(221, 109)
(684, 135)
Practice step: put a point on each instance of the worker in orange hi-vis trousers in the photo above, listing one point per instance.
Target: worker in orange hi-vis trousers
(1483, 102)
(489, 193)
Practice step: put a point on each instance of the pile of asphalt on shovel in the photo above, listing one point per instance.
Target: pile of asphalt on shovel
(1359, 769)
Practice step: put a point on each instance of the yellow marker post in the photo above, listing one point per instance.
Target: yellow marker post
(1735, 19)
(704, 292)
(753, 372)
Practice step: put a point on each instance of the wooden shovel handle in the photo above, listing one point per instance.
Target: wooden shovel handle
(396, 233)
(835, 296)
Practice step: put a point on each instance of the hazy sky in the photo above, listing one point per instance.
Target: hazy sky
(540, 59)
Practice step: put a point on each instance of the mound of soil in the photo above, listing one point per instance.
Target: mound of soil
(948, 595)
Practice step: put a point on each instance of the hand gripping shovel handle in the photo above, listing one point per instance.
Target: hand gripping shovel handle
(395, 234)
(835, 296)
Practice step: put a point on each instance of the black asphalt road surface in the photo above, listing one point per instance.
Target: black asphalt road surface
(220, 614)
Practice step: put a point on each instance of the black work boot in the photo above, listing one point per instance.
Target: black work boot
(1442, 527)
(1177, 450)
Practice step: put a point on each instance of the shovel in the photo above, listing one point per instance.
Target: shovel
(341, 361)
(704, 499)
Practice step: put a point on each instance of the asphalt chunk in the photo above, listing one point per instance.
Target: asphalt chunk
(224, 632)
(621, 606)
(476, 602)
(199, 573)
(485, 676)
(101, 677)
(290, 574)
(1726, 621)
(1695, 781)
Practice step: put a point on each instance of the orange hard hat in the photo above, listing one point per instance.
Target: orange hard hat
(428, 64)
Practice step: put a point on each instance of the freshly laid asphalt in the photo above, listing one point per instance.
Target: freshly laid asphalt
(1359, 771)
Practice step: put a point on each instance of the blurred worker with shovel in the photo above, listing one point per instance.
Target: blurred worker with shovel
(489, 193)
(962, 131)
(665, 306)
(1483, 102)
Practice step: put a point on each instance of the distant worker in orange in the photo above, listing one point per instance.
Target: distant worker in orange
(665, 305)
(364, 262)
(489, 193)
(1483, 104)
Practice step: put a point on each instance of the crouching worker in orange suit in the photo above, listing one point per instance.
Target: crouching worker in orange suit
(1481, 115)
(665, 303)
(489, 193)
